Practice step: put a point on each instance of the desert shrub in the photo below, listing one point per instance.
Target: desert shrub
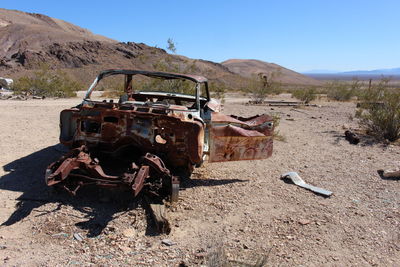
(343, 91)
(277, 135)
(305, 95)
(48, 83)
(217, 90)
(262, 85)
(379, 111)
(111, 89)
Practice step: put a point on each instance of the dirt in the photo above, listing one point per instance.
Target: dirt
(240, 211)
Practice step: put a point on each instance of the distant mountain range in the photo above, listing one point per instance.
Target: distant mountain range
(393, 71)
(251, 67)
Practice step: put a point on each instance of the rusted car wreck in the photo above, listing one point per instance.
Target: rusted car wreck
(150, 139)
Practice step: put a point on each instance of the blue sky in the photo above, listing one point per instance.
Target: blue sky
(300, 35)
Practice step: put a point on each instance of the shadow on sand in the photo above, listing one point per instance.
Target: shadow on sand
(26, 175)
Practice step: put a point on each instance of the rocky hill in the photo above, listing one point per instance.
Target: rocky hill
(28, 39)
(251, 67)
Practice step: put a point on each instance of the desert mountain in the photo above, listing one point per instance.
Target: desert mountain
(28, 39)
(251, 67)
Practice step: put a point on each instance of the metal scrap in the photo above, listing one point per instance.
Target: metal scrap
(389, 174)
(149, 140)
(296, 179)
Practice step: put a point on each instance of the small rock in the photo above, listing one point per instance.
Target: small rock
(304, 221)
(200, 255)
(167, 242)
(78, 237)
(125, 249)
(3, 247)
(245, 246)
(129, 232)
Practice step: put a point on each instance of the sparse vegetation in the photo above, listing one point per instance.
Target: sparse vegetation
(171, 45)
(263, 85)
(277, 135)
(379, 111)
(305, 95)
(48, 83)
(343, 91)
(218, 90)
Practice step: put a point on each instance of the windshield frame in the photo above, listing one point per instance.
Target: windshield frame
(198, 80)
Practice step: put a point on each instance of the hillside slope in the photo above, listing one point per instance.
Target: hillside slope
(28, 40)
(250, 67)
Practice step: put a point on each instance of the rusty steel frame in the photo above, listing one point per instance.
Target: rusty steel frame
(91, 172)
(170, 139)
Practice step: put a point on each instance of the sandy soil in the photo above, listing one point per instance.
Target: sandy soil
(239, 210)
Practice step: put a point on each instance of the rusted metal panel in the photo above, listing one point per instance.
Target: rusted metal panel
(82, 170)
(235, 138)
(147, 139)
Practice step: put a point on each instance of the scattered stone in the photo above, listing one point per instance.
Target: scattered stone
(78, 237)
(304, 221)
(129, 232)
(352, 137)
(60, 234)
(125, 249)
(3, 247)
(200, 255)
(167, 242)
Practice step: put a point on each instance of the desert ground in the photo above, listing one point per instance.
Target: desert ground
(239, 211)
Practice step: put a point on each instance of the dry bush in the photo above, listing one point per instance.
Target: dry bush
(379, 111)
(343, 91)
(305, 95)
(48, 83)
(262, 85)
(277, 135)
(217, 90)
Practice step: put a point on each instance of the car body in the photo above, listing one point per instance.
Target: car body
(179, 130)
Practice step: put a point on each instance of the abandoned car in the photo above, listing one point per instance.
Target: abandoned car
(163, 126)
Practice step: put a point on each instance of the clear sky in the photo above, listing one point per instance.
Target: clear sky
(301, 35)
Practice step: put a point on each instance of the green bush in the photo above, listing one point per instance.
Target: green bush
(47, 83)
(379, 111)
(305, 95)
(217, 90)
(342, 91)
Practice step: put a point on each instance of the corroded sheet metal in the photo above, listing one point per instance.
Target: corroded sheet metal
(235, 138)
(174, 135)
(78, 168)
(296, 179)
